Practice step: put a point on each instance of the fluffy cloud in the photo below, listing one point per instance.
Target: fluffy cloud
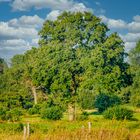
(12, 43)
(68, 5)
(133, 30)
(53, 15)
(24, 5)
(19, 35)
(8, 32)
(135, 25)
(26, 21)
(78, 7)
(136, 18)
(132, 27)
(112, 23)
(131, 37)
(8, 48)
(129, 46)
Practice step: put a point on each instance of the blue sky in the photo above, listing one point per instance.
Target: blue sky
(20, 20)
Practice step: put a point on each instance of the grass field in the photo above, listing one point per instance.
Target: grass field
(77, 130)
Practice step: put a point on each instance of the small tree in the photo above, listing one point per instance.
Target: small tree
(52, 113)
(103, 101)
(118, 113)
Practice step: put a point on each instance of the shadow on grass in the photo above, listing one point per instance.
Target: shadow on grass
(94, 113)
(133, 119)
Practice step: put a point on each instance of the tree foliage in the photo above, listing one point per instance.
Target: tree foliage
(135, 70)
(118, 113)
(75, 56)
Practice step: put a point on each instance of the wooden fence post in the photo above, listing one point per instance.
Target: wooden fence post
(24, 132)
(28, 130)
(89, 126)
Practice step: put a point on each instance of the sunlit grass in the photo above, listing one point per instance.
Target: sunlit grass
(77, 130)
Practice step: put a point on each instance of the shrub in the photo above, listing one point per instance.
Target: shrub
(135, 100)
(103, 101)
(83, 116)
(86, 100)
(52, 113)
(3, 113)
(13, 115)
(34, 110)
(118, 113)
(11, 127)
(27, 105)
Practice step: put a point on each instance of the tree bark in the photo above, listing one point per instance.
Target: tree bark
(34, 94)
(71, 111)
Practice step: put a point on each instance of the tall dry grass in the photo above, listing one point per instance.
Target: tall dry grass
(113, 130)
(102, 134)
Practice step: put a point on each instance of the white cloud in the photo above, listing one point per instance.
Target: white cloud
(129, 46)
(68, 5)
(24, 5)
(19, 35)
(7, 32)
(136, 18)
(77, 7)
(114, 24)
(131, 37)
(53, 15)
(133, 30)
(134, 27)
(13, 43)
(26, 21)
(34, 42)
(8, 48)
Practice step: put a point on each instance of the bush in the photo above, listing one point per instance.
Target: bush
(103, 101)
(27, 105)
(118, 113)
(86, 100)
(3, 113)
(13, 115)
(83, 116)
(34, 110)
(11, 128)
(52, 113)
(135, 100)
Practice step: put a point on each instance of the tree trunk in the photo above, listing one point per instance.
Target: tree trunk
(71, 111)
(34, 94)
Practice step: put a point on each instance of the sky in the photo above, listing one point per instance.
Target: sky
(20, 20)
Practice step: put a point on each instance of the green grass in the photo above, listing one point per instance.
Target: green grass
(43, 127)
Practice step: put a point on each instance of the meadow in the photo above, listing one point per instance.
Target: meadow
(101, 129)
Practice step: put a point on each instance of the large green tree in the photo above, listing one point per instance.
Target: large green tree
(77, 56)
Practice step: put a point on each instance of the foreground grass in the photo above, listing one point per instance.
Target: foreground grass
(77, 130)
(103, 133)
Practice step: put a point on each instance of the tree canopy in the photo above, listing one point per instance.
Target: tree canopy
(76, 56)
(135, 70)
